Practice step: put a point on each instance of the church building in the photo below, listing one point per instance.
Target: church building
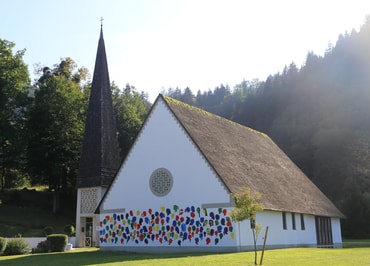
(172, 193)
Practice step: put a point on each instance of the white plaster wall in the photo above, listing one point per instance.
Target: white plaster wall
(80, 236)
(277, 236)
(244, 234)
(163, 143)
(336, 231)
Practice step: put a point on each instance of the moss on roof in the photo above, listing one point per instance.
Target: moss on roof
(245, 158)
(170, 100)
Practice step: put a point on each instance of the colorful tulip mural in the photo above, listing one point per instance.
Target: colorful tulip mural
(167, 226)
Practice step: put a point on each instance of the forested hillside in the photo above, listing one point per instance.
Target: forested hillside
(319, 114)
(42, 123)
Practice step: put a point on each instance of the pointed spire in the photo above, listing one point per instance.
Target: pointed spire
(100, 157)
(101, 28)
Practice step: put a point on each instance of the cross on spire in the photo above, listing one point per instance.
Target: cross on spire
(100, 157)
(101, 27)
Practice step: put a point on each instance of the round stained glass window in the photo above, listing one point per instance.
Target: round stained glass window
(161, 182)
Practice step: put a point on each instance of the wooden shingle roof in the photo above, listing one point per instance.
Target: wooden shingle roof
(100, 157)
(243, 157)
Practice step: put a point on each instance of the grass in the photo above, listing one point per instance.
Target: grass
(296, 256)
(30, 223)
(355, 243)
(29, 211)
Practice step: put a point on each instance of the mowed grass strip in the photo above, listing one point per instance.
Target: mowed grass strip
(295, 256)
(356, 243)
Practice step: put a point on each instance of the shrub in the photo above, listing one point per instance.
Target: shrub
(17, 246)
(3, 242)
(58, 242)
(69, 229)
(16, 178)
(43, 247)
(48, 230)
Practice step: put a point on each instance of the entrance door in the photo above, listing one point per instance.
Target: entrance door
(89, 232)
(324, 235)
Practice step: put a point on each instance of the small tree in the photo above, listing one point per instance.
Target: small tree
(246, 207)
(69, 229)
(48, 230)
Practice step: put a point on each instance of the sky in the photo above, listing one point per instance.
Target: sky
(155, 45)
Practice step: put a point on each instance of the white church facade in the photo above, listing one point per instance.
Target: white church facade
(172, 193)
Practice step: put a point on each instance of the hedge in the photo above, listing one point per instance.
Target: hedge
(16, 246)
(58, 242)
(3, 242)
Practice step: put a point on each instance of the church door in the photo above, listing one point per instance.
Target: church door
(323, 231)
(89, 232)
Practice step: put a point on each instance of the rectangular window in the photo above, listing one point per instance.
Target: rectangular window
(293, 221)
(303, 227)
(284, 220)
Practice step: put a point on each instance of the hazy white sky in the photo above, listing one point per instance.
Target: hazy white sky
(155, 44)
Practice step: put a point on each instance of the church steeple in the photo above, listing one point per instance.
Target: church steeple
(100, 157)
(101, 28)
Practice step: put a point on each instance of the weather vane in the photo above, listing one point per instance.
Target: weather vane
(101, 21)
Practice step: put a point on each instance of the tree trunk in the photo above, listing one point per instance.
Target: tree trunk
(56, 201)
(255, 246)
(2, 179)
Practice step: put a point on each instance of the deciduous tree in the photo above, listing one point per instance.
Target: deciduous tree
(14, 88)
(246, 208)
(56, 124)
(130, 109)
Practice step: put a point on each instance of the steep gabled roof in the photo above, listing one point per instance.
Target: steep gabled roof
(243, 157)
(100, 157)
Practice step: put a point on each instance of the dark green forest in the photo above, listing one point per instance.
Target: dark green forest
(318, 113)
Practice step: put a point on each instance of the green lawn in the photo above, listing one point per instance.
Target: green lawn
(296, 256)
(356, 243)
(30, 221)
(28, 211)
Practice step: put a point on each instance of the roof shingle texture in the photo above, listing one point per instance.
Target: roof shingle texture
(245, 158)
(100, 157)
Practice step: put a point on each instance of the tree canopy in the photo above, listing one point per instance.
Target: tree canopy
(56, 124)
(131, 109)
(14, 87)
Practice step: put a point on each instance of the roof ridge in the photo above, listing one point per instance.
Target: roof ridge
(200, 110)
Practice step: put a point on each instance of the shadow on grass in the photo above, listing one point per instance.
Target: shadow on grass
(86, 257)
(356, 243)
